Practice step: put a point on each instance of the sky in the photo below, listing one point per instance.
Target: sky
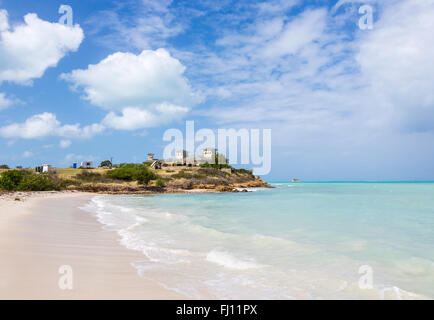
(343, 102)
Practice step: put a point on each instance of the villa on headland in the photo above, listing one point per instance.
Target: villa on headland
(183, 158)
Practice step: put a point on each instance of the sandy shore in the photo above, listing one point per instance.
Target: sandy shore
(43, 232)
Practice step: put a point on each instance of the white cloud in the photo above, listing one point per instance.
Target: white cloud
(4, 24)
(277, 6)
(148, 27)
(396, 60)
(135, 118)
(298, 33)
(46, 124)
(27, 154)
(29, 49)
(5, 102)
(64, 143)
(308, 77)
(149, 89)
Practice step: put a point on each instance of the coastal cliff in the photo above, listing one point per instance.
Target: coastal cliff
(133, 179)
(179, 180)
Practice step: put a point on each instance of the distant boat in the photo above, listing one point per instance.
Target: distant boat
(296, 180)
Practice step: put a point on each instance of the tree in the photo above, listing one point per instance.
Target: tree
(106, 163)
(4, 166)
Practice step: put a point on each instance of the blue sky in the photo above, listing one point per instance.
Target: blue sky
(343, 103)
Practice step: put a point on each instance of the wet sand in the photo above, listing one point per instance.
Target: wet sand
(45, 231)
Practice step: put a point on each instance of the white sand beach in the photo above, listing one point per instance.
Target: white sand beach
(47, 230)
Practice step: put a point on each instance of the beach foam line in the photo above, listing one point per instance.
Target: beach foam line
(227, 260)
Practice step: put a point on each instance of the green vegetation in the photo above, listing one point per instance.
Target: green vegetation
(106, 163)
(245, 171)
(20, 180)
(4, 166)
(159, 183)
(119, 177)
(88, 176)
(132, 172)
(202, 173)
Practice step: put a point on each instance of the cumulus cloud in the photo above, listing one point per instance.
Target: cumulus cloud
(149, 89)
(136, 118)
(46, 124)
(5, 102)
(27, 50)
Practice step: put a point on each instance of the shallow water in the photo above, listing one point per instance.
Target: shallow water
(297, 241)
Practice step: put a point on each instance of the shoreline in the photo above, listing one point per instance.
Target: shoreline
(38, 236)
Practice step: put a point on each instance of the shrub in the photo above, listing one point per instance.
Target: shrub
(34, 182)
(144, 176)
(19, 180)
(4, 166)
(132, 172)
(244, 171)
(122, 173)
(88, 176)
(10, 180)
(160, 183)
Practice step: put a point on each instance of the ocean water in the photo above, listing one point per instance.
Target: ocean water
(296, 241)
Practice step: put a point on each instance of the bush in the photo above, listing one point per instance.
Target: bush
(34, 182)
(144, 176)
(123, 173)
(132, 172)
(88, 176)
(10, 180)
(244, 171)
(4, 166)
(19, 180)
(160, 183)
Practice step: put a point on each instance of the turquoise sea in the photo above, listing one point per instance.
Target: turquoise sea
(296, 241)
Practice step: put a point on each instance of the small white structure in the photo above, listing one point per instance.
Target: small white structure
(45, 168)
(180, 155)
(151, 157)
(209, 153)
(86, 164)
